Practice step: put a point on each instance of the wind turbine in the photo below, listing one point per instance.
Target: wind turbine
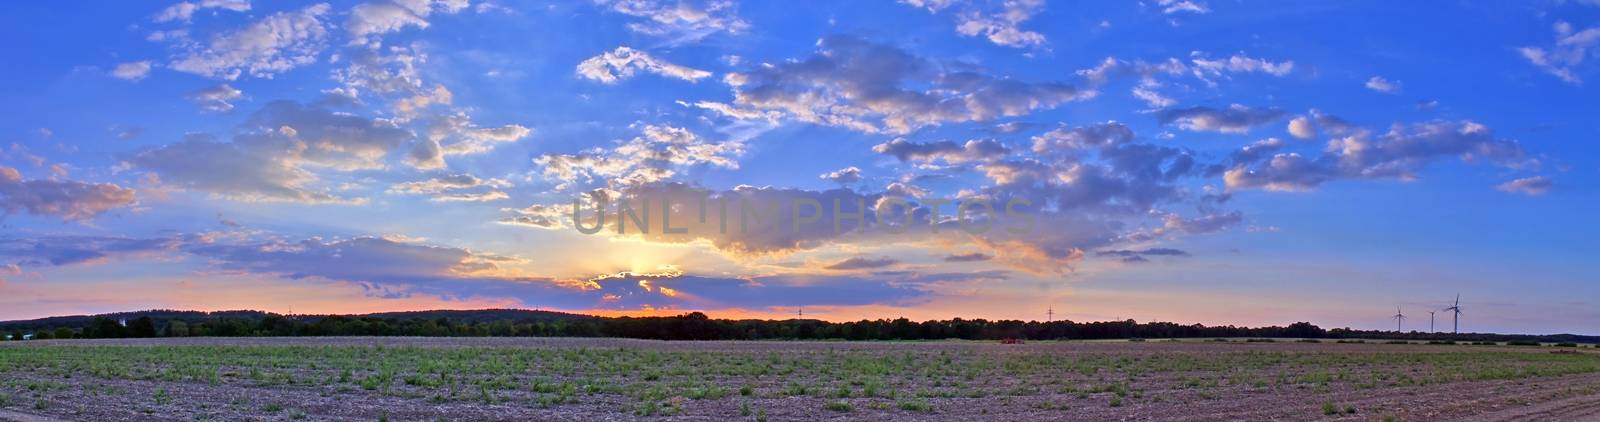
(1430, 322)
(1398, 318)
(1455, 323)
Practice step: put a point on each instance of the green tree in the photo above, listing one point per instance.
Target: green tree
(142, 327)
(177, 329)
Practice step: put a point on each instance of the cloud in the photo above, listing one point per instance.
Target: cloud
(65, 199)
(744, 221)
(1398, 154)
(678, 290)
(367, 20)
(230, 171)
(318, 136)
(270, 158)
(1086, 138)
(621, 63)
(1239, 63)
(656, 155)
(131, 71)
(1569, 51)
(390, 268)
(129, 132)
(493, 195)
(1532, 186)
(1183, 6)
(860, 263)
(51, 251)
(390, 73)
(457, 135)
(1378, 83)
(1301, 128)
(1209, 223)
(1086, 201)
(275, 44)
(1138, 256)
(1237, 118)
(539, 216)
(950, 152)
(1000, 25)
(870, 87)
(1003, 27)
(445, 188)
(182, 11)
(1306, 127)
(968, 257)
(844, 176)
(380, 265)
(216, 98)
(1148, 73)
(933, 6)
(1089, 187)
(445, 183)
(360, 259)
(680, 21)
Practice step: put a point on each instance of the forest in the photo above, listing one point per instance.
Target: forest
(688, 326)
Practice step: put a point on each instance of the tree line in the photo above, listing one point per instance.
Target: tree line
(697, 326)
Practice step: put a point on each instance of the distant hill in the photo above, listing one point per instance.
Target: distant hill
(477, 316)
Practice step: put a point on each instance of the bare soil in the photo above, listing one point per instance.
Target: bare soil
(494, 379)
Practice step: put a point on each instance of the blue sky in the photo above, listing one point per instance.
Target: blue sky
(1219, 162)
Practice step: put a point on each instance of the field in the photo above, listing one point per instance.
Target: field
(405, 379)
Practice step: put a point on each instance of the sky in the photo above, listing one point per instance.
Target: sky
(1197, 161)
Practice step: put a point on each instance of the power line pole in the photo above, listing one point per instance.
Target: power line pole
(1050, 314)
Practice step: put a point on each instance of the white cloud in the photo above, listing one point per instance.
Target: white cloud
(131, 71)
(1306, 127)
(1398, 154)
(493, 195)
(1003, 27)
(1569, 51)
(456, 135)
(1000, 25)
(1378, 83)
(933, 6)
(1152, 98)
(680, 21)
(1239, 63)
(367, 20)
(216, 98)
(448, 188)
(272, 45)
(1183, 6)
(1237, 118)
(621, 63)
(655, 155)
(444, 183)
(844, 176)
(1533, 186)
(182, 11)
(1301, 128)
(539, 216)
